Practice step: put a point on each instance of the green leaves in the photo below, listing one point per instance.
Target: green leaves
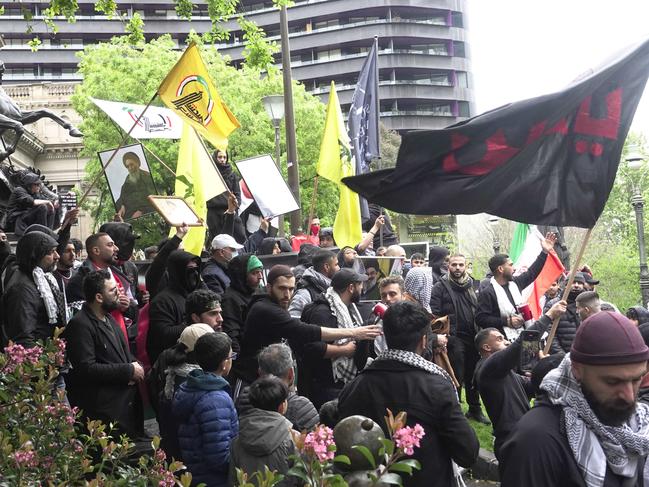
(366, 453)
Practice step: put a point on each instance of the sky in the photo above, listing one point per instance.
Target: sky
(523, 48)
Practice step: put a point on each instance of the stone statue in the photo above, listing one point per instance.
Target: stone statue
(13, 118)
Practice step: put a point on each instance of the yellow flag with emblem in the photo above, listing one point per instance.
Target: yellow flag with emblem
(334, 164)
(190, 93)
(197, 180)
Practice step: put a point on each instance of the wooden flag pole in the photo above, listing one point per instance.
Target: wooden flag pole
(307, 230)
(566, 291)
(121, 144)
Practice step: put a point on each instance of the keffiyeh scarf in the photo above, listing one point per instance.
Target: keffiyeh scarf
(50, 293)
(343, 368)
(593, 444)
(419, 284)
(506, 307)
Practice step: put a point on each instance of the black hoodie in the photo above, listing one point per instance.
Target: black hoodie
(235, 300)
(436, 256)
(167, 311)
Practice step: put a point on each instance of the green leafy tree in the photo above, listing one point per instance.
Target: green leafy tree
(119, 71)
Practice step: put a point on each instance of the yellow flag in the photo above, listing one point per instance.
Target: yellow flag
(190, 93)
(197, 180)
(334, 164)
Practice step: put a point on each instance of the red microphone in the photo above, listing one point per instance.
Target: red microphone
(378, 311)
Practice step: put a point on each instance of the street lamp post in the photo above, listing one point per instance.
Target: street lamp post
(493, 222)
(635, 162)
(274, 105)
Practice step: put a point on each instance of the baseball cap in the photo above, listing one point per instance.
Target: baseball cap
(608, 338)
(579, 277)
(223, 241)
(345, 277)
(591, 280)
(192, 333)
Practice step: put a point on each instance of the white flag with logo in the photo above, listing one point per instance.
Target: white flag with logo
(157, 122)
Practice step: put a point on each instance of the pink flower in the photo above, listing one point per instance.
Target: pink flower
(408, 438)
(25, 458)
(33, 354)
(318, 441)
(59, 358)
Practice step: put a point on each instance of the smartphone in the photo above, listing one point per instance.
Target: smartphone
(531, 345)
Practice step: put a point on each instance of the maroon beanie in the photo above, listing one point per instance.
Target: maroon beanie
(608, 338)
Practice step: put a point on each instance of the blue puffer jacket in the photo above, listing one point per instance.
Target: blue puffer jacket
(207, 425)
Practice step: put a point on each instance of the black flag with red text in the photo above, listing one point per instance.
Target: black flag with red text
(549, 160)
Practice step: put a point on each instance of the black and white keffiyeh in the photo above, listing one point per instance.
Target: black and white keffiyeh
(50, 293)
(343, 368)
(593, 444)
(414, 360)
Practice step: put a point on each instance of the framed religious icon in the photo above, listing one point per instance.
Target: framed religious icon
(129, 180)
(175, 211)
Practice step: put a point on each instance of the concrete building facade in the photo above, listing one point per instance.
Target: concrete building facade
(424, 58)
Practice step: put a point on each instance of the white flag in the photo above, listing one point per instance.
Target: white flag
(157, 122)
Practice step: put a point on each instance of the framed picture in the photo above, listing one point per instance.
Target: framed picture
(175, 211)
(129, 181)
(268, 188)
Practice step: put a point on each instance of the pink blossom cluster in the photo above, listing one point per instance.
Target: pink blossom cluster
(318, 441)
(25, 458)
(63, 411)
(59, 358)
(408, 438)
(17, 355)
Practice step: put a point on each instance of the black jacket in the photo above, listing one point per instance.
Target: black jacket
(235, 301)
(156, 279)
(429, 400)
(457, 302)
(167, 310)
(217, 221)
(215, 276)
(98, 381)
(436, 257)
(24, 316)
(488, 314)
(267, 322)
(300, 412)
(568, 323)
(506, 394)
(537, 454)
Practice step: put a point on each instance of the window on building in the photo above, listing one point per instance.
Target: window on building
(459, 49)
(457, 19)
(328, 54)
(464, 110)
(326, 23)
(462, 79)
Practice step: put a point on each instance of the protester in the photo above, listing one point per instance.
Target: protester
(417, 260)
(217, 220)
(269, 322)
(327, 238)
(167, 311)
(391, 290)
(32, 305)
(25, 208)
(401, 380)
(277, 360)
(454, 296)
(246, 272)
(499, 299)
(505, 393)
(65, 267)
(103, 376)
(167, 374)
(204, 306)
(156, 278)
(438, 261)
(366, 246)
(207, 419)
(304, 259)
(215, 275)
(638, 315)
(551, 293)
(385, 235)
(329, 366)
(570, 320)
(264, 439)
(347, 257)
(78, 249)
(588, 428)
(314, 281)
(587, 304)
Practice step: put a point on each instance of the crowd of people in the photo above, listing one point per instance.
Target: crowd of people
(231, 353)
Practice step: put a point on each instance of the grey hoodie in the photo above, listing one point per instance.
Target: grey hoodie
(313, 279)
(264, 439)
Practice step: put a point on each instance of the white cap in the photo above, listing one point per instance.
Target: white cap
(192, 333)
(223, 241)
